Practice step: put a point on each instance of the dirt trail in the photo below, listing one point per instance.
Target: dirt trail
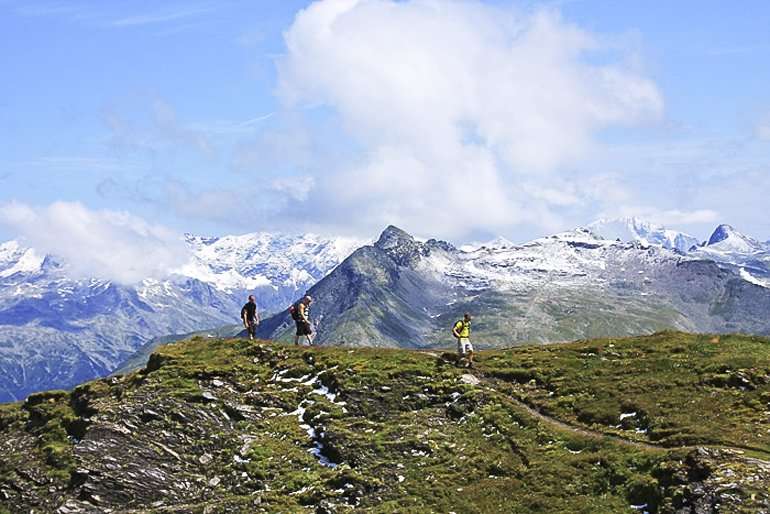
(493, 386)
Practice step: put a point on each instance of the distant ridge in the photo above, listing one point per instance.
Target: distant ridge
(577, 284)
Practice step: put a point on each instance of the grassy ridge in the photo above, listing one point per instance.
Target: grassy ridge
(214, 426)
(682, 389)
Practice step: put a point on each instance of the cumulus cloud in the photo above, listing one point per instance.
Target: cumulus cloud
(455, 105)
(105, 244)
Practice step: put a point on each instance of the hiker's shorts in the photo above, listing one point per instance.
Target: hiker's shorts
(464, 346)
(252, 327)
(303, 329)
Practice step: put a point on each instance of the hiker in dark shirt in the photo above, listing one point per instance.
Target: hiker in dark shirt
(250, 316)
(300, 313)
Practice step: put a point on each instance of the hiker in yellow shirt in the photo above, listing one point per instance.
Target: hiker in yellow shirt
(462, 332)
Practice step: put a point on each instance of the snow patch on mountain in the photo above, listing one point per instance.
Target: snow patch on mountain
(748, 277)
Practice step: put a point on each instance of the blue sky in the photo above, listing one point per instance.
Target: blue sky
(233, 116)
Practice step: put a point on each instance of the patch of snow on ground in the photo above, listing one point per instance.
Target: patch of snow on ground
(748, 277)
(320, 390)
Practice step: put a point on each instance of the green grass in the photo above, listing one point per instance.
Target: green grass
(685, 389)
(410, 435)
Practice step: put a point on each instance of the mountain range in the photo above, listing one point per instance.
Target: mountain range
(573, 285)
(57, 330)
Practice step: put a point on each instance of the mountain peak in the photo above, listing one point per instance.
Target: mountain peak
(629, 229)
(721, 233)
(726, 239)
(393, 236)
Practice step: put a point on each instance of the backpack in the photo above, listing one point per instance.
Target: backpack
(462, 324)
(294, 311)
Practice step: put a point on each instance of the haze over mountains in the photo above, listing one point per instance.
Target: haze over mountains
(57, 331)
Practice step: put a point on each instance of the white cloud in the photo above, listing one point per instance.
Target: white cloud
(454, 104)
(690, 217)
(105, 244)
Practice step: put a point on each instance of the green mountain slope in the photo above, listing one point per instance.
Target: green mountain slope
(139, 359)
(674, 422)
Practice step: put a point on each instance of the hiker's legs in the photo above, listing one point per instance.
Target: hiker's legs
(460, 352)
(303, 330)
(465, 349)
(299, 333)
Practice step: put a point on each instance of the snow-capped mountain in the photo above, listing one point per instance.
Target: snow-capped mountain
(728, 247)
(739, 252)
(727, 240)
(277, 267)
(403, 292)
(57, 330)
(634, 229)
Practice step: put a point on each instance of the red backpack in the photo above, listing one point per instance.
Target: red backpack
(294, 311)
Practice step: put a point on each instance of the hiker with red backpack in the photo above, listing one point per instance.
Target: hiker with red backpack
(300, 313)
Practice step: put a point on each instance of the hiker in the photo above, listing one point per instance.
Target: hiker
(250, 316)
(462, 332)
(300, 313)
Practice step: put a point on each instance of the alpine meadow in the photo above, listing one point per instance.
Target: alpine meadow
(384, 256)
